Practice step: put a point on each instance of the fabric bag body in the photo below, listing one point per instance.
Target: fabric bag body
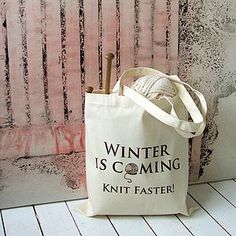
(135, 164)
(119, 135)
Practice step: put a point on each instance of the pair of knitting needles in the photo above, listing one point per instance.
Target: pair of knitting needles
(109, 57)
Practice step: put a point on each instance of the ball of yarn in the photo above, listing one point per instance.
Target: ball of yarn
(152, 86)
(131, 169)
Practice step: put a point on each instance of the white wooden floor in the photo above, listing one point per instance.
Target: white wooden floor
(216, 216)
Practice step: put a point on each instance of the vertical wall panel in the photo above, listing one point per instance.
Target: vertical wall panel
(63, 58)
(35, 70)
(168, 33)
(145, 33)
(109, 35)
(73, 60)
(126, 35)
(159, 47)
(118, 45)
(100, 52)
(5, 100)
(82, 53)
(3, 104)
(173, 52)
(91, 43)
(18, 95)
(44, 61)
(54, 61)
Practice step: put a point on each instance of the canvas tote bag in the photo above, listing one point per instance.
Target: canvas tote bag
(137, 149)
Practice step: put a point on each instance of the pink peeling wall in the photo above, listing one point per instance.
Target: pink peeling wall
(51, 50)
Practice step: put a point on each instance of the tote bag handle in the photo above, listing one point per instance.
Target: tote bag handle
(185, 128)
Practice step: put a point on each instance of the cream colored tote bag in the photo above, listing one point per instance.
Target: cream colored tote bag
(137, 149)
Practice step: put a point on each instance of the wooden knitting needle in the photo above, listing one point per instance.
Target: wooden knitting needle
(89, 89)
(109, 57)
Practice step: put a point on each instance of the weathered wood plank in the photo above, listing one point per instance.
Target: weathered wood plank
(126, 35)
(136, 31)
(54, 61)
(55, 219)
(109, 36)
(145, 27)
(131, 225)
(100, 54)
(73, 60)
(19, 88)
(227, 189)
(118, 40)
(173, 39)
(90, 50)
(159, 42)
(168, 32)
(167, 225)
(3, 89)
(200, 222)
(35, 69)
(99, 225)
(20, 221)
(64, 58)
(223, 212)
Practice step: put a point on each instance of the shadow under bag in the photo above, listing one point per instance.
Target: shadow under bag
(137, 149)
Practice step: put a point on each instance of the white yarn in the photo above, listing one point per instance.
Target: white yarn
(152, 86)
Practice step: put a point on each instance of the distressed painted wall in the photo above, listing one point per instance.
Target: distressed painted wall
(207, 54)
(50, 50)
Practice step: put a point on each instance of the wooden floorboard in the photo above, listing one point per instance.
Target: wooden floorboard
(215, 215)
(131, 225)
(226, 189)
(167, 225)
(90, 226)
(55, 219)
(215, 205)
(20, 221)
(200, 222)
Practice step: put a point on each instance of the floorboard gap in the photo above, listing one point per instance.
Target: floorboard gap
(184, 225)
(73, 218)
(4, 230)
(37, 218)
(112, 225)
(149, 225)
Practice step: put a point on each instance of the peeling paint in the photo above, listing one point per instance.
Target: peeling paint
(100, 55)
(25, 59)
(117, 57)
(73, 167)
(206, 61)
(136, 31)
(44, 61)
(63, 59)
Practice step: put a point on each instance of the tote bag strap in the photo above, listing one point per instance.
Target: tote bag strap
(185, 128)
(181, 132)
